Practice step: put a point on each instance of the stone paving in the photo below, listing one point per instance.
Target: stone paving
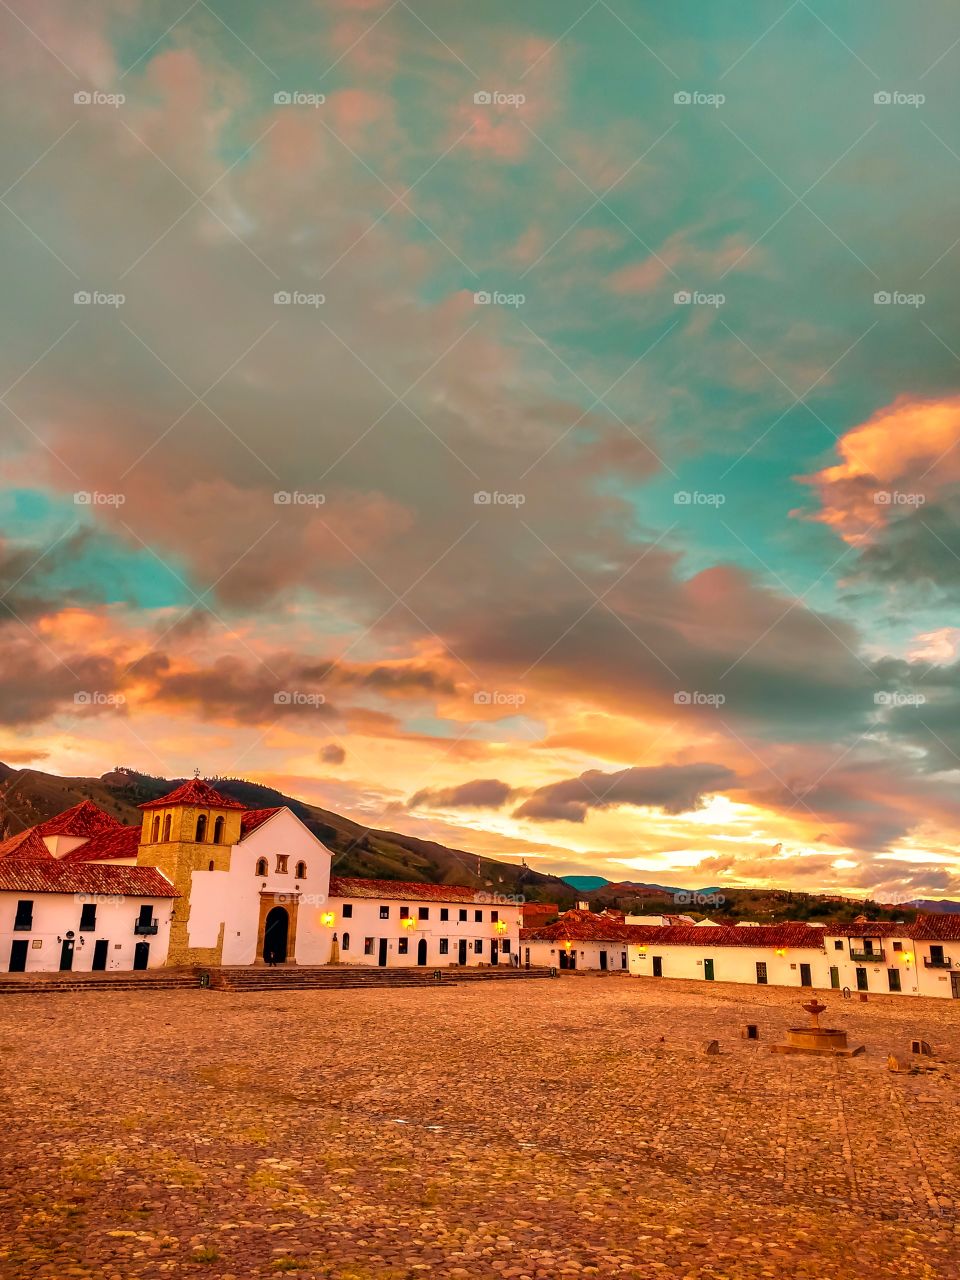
(509, 1130)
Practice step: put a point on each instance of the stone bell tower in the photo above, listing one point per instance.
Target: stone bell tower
(185, 834)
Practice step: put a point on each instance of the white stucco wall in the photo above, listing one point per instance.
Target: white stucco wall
(366, 923)
(588, 954)
(233, 897)
(54, 914)
(732, 964)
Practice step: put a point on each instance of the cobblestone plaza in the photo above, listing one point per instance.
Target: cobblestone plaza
(535, 1129)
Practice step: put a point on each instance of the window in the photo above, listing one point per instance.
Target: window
(494, 916)
(463, 913)
(444, 913)
(156, 828)
(404, 913)
(444, 946)
(385, 913)
(301, 872)
(762, 972)
(88, 917)
(936, 954)
(368, 944)
(218, 830)
(478, 916)
(282, 860)
(166, 826)
(210, 865)
(345, 944)
(146, 915)
(24, 919)
(505, 945)
(403, 946)
(478, 946)
(423, 913)
(893, 978)
(261, 867)
(348, 911)
(838, 944)
(201, 828)
(898, 946)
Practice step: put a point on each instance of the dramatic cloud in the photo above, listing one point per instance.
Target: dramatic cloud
(674, 788)
(482, 793)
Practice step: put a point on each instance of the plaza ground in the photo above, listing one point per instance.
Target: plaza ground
(519, 1129)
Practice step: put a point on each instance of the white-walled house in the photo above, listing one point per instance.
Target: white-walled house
(82, 917)
(206, 881)
(922, 958)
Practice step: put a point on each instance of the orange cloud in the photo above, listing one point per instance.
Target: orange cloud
(903, 457)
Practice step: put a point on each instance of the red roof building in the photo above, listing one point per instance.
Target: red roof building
(29, 876)
(404, 890)
(194, 792)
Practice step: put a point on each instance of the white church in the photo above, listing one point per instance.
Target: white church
(206, 881)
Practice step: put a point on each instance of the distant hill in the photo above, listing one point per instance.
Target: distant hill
(937, 904)
(585, 884)
(28, 796)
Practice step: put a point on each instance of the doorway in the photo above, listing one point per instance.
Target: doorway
(422, 951)
(275, 936)
(494, 951)
(861, 979)
(382, 953)
(603, 960)
(66, 955)
(462, 951)
(658, 966)
(805, 978)
(955, 985)
(708, 970)
(18, 955)
(100, 949)
(141, 955)
(835, 977)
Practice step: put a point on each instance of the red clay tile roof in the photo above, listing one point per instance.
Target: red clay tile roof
(83, 819)
(108, 845)
(868, 929)
(25, 844)
(939, 926)
(27, 876)
(195, 791)
(254, 818)
(585, 926)
(406, 890)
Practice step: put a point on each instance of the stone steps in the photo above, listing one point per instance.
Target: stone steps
(259, 978)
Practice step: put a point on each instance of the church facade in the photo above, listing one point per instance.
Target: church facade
(206, 881)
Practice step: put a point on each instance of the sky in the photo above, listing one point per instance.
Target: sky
(528, 426)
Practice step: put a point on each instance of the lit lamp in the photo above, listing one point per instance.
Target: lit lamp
(328, 918)
(781, 951)
(908, 956)
(408, 922)
(501, 926)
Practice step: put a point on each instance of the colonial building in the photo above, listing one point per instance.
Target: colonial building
(206, 881)
(922, 958)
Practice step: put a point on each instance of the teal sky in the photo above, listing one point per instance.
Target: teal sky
(749, 497)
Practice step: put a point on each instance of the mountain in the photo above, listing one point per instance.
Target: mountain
(936, 904)
(28, 796)
(585, 884)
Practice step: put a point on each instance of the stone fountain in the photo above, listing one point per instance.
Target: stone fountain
(822, 1041)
